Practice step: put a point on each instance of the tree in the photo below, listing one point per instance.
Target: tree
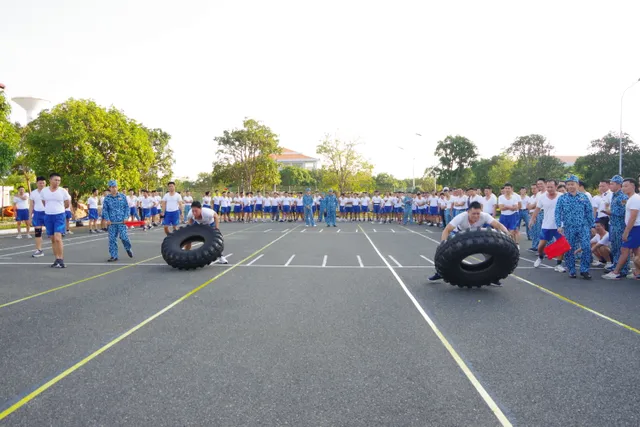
(602, 161)
(456, 154)
(500, 172)
(9, 138)
(293, 176)
(529, 147)
(245, 155)
(533, 156)
(88, 145)
(343, 161)
(161, 169)
(386, 182)
(526, 172)
(480, 170)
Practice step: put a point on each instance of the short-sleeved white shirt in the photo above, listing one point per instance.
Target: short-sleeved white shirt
(208, 216)
(36, 196)
(461, 221)
(488, 206)
(376, 200)
(604, 240)
(131, 201)
(92, 202)
(173, 202)
(512, 202)
(187, 200)
(365, 201)
(549, 207)
(21, 204)
(433, 202)
(206, 200)
(54, 200)
(146, 202)
(604, 199)
(632, 204)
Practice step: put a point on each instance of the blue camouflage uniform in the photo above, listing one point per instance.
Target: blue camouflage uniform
(331, 204)
(617, 225)
(307, 202)
(408, 201)
(322, 210)
(116, 209)
(536, 230)
(575, 215)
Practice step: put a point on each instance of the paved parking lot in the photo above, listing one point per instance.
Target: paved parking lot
(308, 326)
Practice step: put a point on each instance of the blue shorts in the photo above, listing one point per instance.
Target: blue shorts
(634, 239)
(247, 209)
(55, 224)
(38, 219)
(133, 211)
(549, 234)
(216, 208)
(171, 218)
(258, 208)
(67, 215)
(364, 209)
(314, 208)
(206, 206)
(341, 209)
(422, 211)
(93, 213)
(388, 209)
(348, 209)
(236, 209)
(433, 210)
(356, 209)
(146, 213)
(286, 209)
(154, 211)
(299, 209)
(399, 210)
(22, 215)
(376, 209)
(511, 222)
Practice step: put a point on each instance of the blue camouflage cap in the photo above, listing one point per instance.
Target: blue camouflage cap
(331, 190)
(617, 179)
(572, 178)
(112, 183)
(308, 189)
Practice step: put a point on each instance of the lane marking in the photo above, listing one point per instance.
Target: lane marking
(228, 255)
(394, 260)
(255, 259)
(375, 231)
(77, 282)
(393, 231)
(45, 241)
(324, 261)
(286, 229)
(360, 261)
(289, 261)
(563, 298)
(303, 230)
(356, 230)
(321, 230)
(26, 399)
(504, 421)
(424, 257)
(338, 230)
(266, 231)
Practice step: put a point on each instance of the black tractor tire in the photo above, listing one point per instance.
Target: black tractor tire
(500, 253)
(200, 256)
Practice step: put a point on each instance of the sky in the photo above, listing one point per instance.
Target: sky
(375, 71)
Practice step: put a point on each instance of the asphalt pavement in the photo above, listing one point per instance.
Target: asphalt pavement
(308, 326)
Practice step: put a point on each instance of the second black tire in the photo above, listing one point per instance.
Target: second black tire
(500, 253)
(200, 256)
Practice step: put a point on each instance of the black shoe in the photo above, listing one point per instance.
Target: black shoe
(58, 264)
(435, 277)
(586, 276)
(334, 225)
(532, 250)
(130, 253)
(55, 264)
(572, 276)
(112, 259)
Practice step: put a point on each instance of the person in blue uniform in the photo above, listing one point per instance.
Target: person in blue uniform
(332, 205)
(307, 204)
(616, 222)
(408, 202)
(115, 210)
(322, 210)
(574, 218)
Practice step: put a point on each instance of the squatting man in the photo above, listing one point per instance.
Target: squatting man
(472, 219)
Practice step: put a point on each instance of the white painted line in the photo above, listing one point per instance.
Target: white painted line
(285, 230)
(228, 255)
(428, 231)
(375, 231)
(290, 259)
(424, 257)
(324, 261)
(504, 421)
(321, 230)
(303, 230)
(255, 259)
(266, 231)
(338, 230)
(360, 261)
(393, 231)
(356, 230)
(394, 260)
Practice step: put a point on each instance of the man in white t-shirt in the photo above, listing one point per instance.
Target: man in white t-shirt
(146, 202)
(204, 216)
(21, 211)
(473, 218)
(55, 200)
(188, 199)
(489, 202)
(509, 204)
(132, 201)
(601, 247)
(524, 211)
(172, 207)
(601, 203)
(549, 231)
(92, 205)
(631, 234)
(36, 214)
(541, 186)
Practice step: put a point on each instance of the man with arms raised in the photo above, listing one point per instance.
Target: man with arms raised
(473, 218)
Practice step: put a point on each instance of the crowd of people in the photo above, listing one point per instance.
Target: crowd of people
(602, 230)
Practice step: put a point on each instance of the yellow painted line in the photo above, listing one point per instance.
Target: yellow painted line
(562, 297)
(493, 406)
(77, 282)
(110, 344)
(577, 304)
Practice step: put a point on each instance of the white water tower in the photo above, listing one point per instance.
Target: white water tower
(32, 106)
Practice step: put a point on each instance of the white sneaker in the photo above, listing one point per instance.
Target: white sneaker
(611, 276)
(596, 264)
(560, 269)
(518, 248)
(19, 236)
(222, 260)
(29, 236)
(608, 265)
(69, 232)
(537, 263)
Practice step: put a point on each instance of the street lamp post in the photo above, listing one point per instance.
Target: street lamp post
(621, 105)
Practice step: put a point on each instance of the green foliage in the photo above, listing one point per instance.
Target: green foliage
(602, 162)
(527, 172)
(456, 154)
(500, 172)
(244, 156)
(529, 147)
(88, 145)
(386, 182)
(343, 164)
(480, 169)
(9, 138)
(161, 170)
(293, 176)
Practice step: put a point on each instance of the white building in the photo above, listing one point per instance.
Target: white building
(293, 158)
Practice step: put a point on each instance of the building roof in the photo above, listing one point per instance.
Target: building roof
(291, 156)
